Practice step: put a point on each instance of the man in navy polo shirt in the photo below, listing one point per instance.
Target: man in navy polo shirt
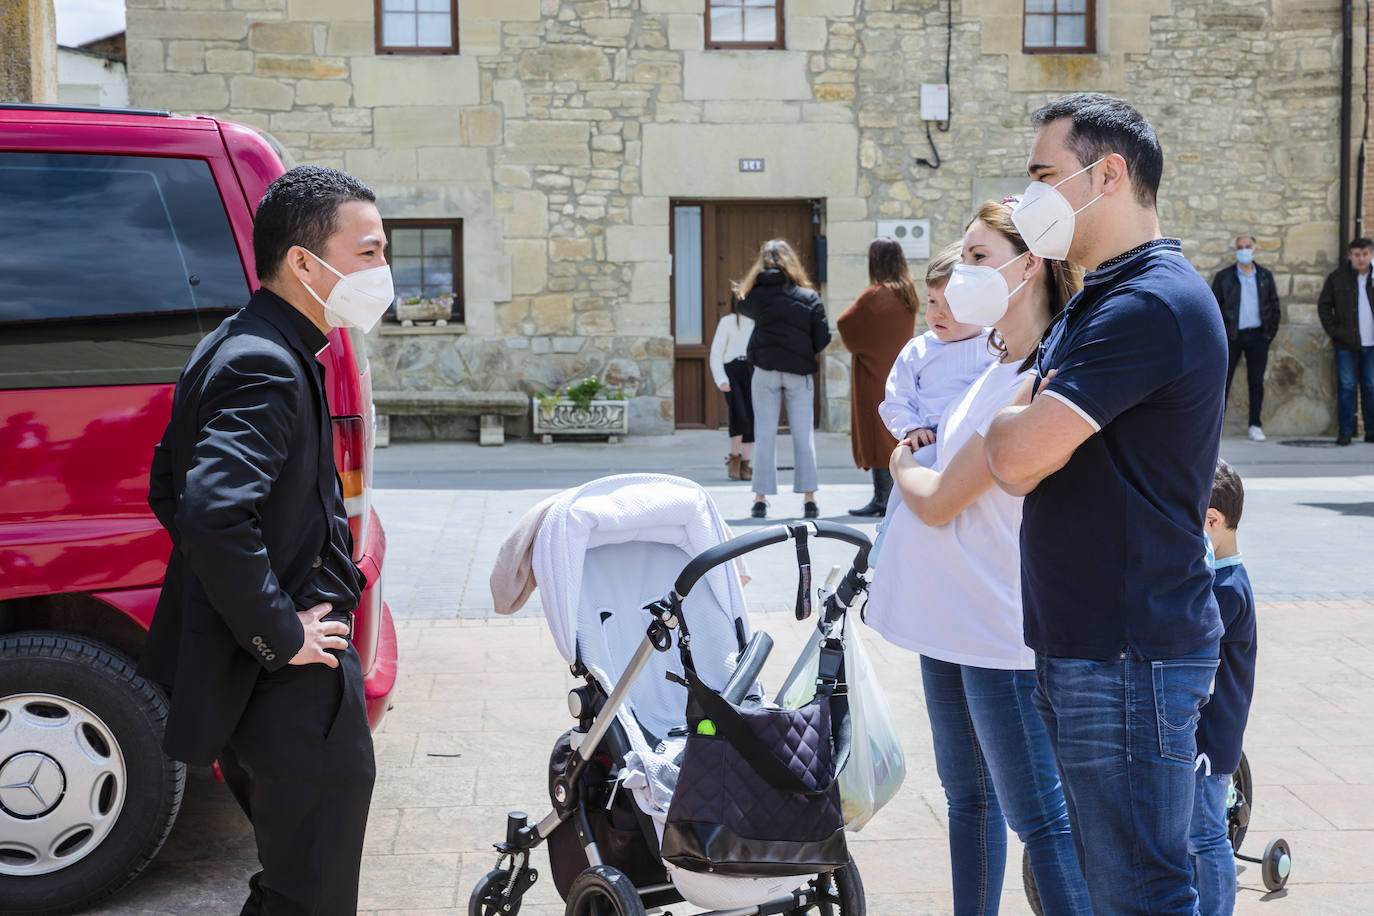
(1115, 455)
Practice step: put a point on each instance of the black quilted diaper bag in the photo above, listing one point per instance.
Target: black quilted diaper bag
(757, 793)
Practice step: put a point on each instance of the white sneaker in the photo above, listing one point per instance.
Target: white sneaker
(1257, 434)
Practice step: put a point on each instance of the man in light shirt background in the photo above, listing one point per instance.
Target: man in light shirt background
(1348, 318)
(1249, 303)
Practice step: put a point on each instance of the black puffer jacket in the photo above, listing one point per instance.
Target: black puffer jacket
(1338, 306)
(790, 328)
(1226, 287)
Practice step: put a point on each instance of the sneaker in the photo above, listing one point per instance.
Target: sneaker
(1343, 439)
(1257, 434)
(760, 509)
(811, 510)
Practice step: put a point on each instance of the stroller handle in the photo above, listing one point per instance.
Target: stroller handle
(773, 534)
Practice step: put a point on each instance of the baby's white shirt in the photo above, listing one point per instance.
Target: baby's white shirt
(927, 377)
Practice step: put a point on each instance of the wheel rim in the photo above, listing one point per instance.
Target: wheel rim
(62, 791)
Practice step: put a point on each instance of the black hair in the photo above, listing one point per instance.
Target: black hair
(301, 208)
(1228, 494)
(1104, 125)
(1366, 244)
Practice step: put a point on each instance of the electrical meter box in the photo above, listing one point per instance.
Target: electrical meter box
(934, 101)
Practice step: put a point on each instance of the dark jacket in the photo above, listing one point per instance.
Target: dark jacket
(1338, 304)
(244, 482)
(789, 325)
(1226, 287)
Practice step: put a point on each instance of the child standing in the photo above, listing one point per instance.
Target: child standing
(930, 373)
(733, 374)
(1222, 725)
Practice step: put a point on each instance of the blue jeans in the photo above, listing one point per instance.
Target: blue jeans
(1355, 371)
(1214, 869)
(1123, 731)
(993, 757)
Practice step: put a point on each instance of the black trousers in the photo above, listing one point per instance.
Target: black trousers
(300, 765)
(1254, 346)
(739, 399)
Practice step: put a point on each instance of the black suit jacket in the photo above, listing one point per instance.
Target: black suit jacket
(244, 482)
(1226, 287)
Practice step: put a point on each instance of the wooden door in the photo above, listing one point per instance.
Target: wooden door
(714, 245)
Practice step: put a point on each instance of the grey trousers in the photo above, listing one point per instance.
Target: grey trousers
(769, 390)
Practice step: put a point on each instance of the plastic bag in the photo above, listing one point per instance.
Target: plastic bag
(876, 765)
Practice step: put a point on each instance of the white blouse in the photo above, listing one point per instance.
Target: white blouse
(730, 343)
(953, 592)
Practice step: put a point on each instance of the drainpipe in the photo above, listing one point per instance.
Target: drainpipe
(1347, 77)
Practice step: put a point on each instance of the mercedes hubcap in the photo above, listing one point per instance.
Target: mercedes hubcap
(62, 783)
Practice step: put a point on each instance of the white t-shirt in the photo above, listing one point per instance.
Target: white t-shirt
(955, 592)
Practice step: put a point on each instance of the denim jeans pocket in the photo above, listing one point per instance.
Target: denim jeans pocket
(1181, 689)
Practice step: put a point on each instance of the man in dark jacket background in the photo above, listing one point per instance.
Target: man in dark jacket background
(251, 632)
(1250, 310)
(1348, 318)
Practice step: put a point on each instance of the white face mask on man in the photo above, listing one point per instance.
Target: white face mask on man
(1045, 218)
(359, 299)
(980, 295)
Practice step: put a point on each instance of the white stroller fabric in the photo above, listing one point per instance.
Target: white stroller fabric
(604, 551)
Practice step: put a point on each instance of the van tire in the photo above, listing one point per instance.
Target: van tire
(133, 711)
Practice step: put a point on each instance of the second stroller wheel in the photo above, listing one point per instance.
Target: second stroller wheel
(603, 891)
(1028, 881)
(486, 896)
(843, 891)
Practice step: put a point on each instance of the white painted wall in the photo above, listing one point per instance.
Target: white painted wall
(87, 79)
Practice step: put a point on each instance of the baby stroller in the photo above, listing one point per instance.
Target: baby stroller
(603, 555)
(1275, 865)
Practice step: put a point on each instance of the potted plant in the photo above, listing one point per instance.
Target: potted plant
(420, 308)
(585, 408)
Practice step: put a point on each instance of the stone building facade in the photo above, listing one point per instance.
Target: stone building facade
(564, 132)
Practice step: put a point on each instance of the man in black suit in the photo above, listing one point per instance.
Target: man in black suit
(252, 629)
(1249, 303)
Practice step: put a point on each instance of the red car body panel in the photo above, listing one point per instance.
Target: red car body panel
(74, 516)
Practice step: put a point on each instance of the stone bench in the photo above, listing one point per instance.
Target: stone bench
(490, 406)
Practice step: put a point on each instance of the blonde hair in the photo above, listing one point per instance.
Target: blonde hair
(941, 267)
(1062, 280)
(776, 254)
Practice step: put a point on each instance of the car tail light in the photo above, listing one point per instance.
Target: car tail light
(353, 459)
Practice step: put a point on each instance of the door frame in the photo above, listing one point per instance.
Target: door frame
(710, 278)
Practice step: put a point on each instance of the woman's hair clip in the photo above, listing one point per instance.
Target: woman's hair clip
(1013, 199)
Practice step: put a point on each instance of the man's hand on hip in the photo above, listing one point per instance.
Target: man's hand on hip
(320, 635)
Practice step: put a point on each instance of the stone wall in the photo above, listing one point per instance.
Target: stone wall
(563, 130)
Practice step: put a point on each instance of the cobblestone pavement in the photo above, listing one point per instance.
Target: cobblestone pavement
(480, 699)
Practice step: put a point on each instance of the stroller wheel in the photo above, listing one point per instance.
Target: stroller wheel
(486, 896)
(841, 892)
(1028, 881)
(603, 891)
(1276, 865)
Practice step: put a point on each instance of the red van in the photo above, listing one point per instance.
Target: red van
(125, 237)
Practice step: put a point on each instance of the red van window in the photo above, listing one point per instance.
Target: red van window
(114, 267)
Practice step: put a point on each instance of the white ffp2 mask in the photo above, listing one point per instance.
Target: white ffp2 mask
(1045, 218)
(980, 295)
(359, 299)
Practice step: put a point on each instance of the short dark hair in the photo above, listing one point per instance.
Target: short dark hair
(1366, 244)
(301, 208)
(1228, 494)
(1103, 125)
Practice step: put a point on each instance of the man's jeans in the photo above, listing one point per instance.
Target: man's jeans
(1355, 371)
(1123, 733)
(1214, 868)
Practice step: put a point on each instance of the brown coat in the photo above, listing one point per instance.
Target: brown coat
(874, 330)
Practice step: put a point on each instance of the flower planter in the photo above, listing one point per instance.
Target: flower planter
(435, 310)
(562, 418)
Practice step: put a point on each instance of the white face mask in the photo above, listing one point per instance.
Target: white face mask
(359, 299)
(979, 295)
(1045, 218)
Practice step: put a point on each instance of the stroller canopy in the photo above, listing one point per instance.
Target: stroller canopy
(653, 508)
